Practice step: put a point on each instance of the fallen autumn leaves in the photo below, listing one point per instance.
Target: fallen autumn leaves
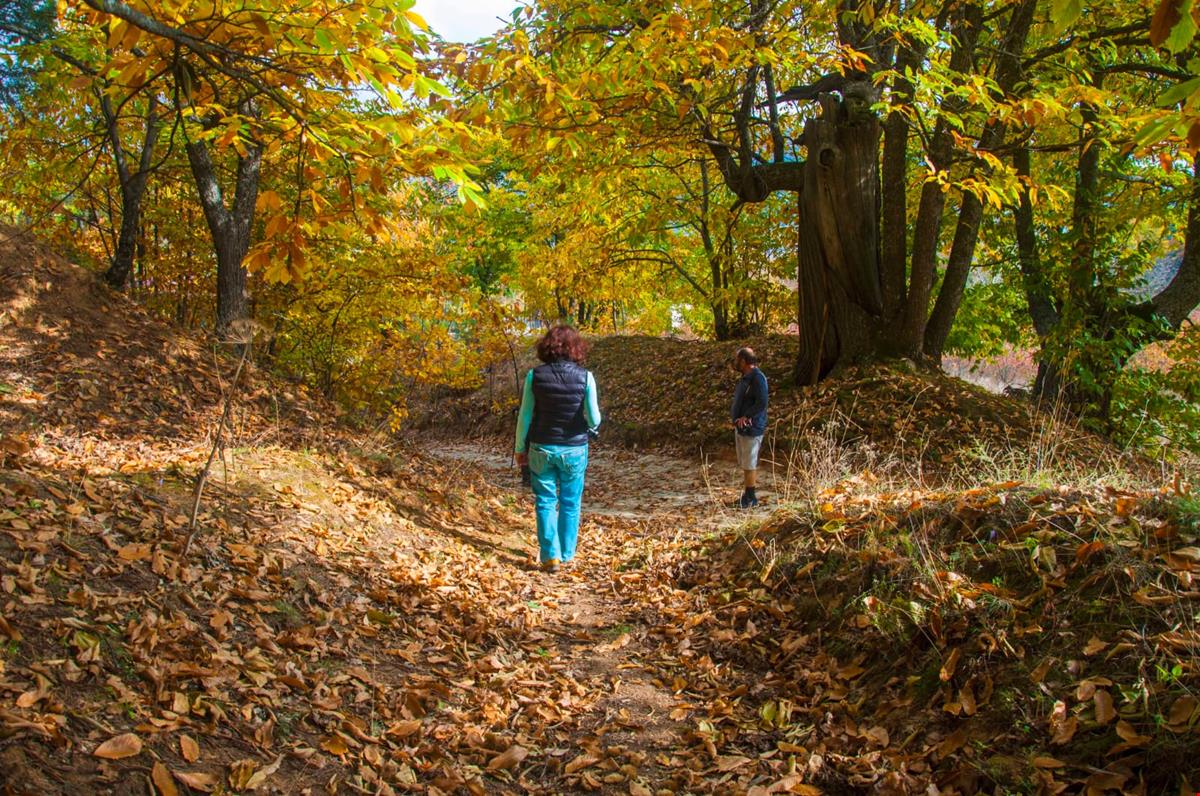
(357, 622)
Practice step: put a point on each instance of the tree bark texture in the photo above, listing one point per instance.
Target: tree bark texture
(133, 189)
(839, 290)
(927, 227)
(230, 228)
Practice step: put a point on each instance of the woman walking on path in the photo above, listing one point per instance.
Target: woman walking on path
(559, 411)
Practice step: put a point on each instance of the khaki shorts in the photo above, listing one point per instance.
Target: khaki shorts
(747, 450)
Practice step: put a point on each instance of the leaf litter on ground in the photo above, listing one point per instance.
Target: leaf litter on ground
(365, 620)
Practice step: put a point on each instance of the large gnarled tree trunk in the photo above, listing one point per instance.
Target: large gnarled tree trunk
(839, 285)
(865, 292)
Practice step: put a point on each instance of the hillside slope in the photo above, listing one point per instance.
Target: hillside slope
(341, 618)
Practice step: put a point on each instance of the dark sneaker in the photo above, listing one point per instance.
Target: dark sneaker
(748, 501)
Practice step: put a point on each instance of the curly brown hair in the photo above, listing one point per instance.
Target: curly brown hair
(562, 342)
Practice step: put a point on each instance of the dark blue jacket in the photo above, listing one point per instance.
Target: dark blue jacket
(750, 400)
(559, 390)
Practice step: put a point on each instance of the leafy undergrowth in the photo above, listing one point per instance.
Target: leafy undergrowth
(999, 639)
(898, 421)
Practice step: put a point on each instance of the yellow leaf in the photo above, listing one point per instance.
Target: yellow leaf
(116, 32)
(417, 20)
(126, 745)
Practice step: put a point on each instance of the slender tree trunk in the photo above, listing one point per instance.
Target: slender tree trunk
(230, 228)
(133, 189)
(966, 233)
(954, 281)
(1043, 309)
(1082, 282)
(840, 298)
(928, 225)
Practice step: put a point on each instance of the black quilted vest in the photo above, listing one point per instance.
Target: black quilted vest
(558, 396)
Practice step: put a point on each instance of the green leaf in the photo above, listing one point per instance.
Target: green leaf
(1184, 30)
(323, 41)
(1179, 92)
(1065, 13)
(1155, 131)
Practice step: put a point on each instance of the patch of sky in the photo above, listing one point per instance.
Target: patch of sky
(466, 20)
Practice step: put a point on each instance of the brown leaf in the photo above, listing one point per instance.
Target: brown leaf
(879, 735)
(1094, 646)
(335, 745)
(1166, 16)
(952, 743)
(950, 664)
(260, 777)
(1064, 732)
(200, 780)
(1048, 762)
(403, 729)
(1131, 736)
(121, 746)
(240, 772)
(581, 762)
(189, 748)
(509, 758)
(1105, 780)
(731, 762)
(1193, 137)
(134, 552)
(1125, 506)
(1182, 711)
(1039, 672)
(1087, 550)
(1105, 712)
(1062, 726)
(30, 698)
(9, 630)
(161, 777)
(966, 697)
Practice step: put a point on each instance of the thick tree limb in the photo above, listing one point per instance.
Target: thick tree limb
(1175, 303)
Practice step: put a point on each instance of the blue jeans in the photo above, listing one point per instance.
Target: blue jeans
(557, 474)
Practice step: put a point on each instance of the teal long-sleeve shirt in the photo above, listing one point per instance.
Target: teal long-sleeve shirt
(591, 410)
